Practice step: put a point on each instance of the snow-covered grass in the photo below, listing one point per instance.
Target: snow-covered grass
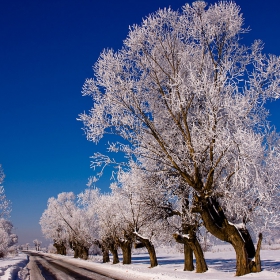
(221, 263)
(10, 266)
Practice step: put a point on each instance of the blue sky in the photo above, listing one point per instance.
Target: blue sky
(47, 50)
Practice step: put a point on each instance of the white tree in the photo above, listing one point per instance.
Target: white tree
(169, 201)
(135, 217)
(5, 208)
(65, 222)
(53, 228)
(88, 201)
(184, 93)
(37, 243)
(7, 237)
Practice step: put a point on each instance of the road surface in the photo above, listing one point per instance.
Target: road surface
(43, 267)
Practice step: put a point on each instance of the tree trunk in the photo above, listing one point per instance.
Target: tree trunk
(104, 249)
(188, 258)
(150, 247)
(242, 260)
(83, 252)
(193, 243)
(80, 251)
(105, 254)
(60, 248)
(217, 224)
(126, 249)
(114, 252)
(255, 265)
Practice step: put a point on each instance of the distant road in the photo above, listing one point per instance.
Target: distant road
(44, 267)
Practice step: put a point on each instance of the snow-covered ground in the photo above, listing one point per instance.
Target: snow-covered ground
(221, 263)
(10, 266)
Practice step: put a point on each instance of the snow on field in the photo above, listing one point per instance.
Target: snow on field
(10, 266)
(221, 263)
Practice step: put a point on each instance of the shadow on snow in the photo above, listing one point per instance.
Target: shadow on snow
(220, 264)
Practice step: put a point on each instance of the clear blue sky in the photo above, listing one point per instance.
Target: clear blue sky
(47, 49)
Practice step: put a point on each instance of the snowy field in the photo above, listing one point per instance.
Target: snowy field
(221, 264)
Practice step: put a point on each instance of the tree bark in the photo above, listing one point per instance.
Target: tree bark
(104, 249)
(80, 251)
(60, 248)
(105, 255)
(217, 224)
(188, 258)
(83, 252)
(114, 252)
(193, 243)
(150, 247)
(255, 265)
(126, 249)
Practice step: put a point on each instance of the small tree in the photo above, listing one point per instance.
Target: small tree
(171, 206)
(66, 223)
(7, 237)
(37, 244)
(5, 205)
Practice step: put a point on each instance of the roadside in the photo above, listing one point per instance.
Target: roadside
(221, 264)
(10, 266)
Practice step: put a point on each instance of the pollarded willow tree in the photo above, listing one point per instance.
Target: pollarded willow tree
(169, 200)
(140, 223)
(67, 224)
(185, 93)
(93, 203)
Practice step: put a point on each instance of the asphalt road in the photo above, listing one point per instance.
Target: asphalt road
(43, 267)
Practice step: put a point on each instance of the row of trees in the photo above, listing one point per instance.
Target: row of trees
(7, 237)
(130, 215)
(141, 210)
(186, 99)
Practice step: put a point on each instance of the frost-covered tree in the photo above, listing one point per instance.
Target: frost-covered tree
(7, 237)
(89, 200)
(185, 93)
(68, 224)
(37, 243)
(114, 231)
(169, 201)
(135, 216)
(5, 208)
(53, 228)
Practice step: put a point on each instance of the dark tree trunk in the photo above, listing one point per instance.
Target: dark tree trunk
(138, 245)
(114, 252)
(105, 254)
(60, 248)
(256, 265)
(126, 249)
(83, 252)
(73, 246)
(217, 224)
(104, 249)
(188, 258)
(80, 251)
(151, 249)
(193, 243)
